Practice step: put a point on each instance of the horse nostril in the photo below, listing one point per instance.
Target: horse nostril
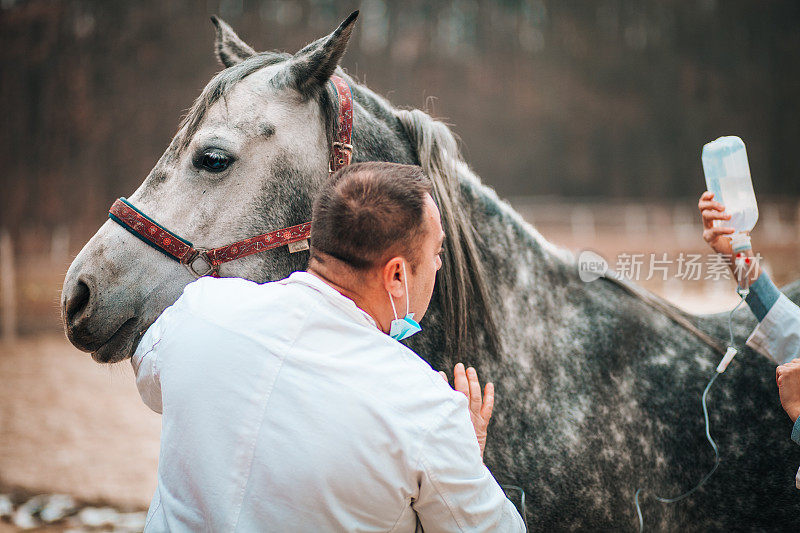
(77, 302)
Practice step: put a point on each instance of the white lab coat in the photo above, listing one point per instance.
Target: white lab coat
(778, 335)
(286, 409)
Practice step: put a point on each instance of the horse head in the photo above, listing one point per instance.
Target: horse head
(247, 159)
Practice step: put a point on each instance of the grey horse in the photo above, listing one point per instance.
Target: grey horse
(598, 390)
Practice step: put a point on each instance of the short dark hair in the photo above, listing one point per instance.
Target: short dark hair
(370, 212)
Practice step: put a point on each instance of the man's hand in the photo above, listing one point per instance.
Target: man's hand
(788, 378)
(716, 237)
(480, 408)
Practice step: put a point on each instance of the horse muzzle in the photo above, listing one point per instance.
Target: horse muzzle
(111, 295)
(92, 327)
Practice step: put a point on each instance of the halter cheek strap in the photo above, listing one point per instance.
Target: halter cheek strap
(342, 150)
(205, 262)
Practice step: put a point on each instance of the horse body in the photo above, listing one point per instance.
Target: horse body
(598, 393)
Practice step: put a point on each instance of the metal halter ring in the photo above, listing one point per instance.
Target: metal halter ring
(210, 267)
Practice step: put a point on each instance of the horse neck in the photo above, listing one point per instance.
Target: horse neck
(543, 279)
(528, 279)
(522, 270)
(519, 261)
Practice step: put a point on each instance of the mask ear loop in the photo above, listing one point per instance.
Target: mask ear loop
(408, 300)
(391, 301)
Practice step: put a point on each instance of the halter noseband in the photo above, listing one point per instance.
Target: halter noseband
(205, 262)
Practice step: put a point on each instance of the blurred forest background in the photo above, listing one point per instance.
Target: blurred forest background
(588, 115)
(595, 98)
(566, 107)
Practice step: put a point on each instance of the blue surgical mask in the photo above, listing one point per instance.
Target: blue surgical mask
(403, 328)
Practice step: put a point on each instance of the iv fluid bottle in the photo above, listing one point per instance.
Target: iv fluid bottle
(728, 177)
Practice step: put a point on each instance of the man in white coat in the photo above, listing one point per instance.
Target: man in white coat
(291, 406)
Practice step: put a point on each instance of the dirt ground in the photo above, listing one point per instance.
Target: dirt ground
(70, 425)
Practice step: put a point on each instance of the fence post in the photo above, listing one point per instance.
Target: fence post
(8, 304)
(636, 221)
(797, 221)
(687, 232)
(59, 245)
(583, 227)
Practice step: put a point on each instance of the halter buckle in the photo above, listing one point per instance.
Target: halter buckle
(341, 161)
(343, 146)
(209, 269)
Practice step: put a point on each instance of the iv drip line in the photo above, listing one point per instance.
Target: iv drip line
(714, 446)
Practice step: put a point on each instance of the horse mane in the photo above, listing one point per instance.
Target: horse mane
(463, 292)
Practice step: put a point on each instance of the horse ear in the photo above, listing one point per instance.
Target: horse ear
(230, 48)
(312, 66)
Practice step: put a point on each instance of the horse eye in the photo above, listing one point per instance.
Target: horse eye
(214, 161)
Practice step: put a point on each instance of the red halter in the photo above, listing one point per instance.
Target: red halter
(296, 237)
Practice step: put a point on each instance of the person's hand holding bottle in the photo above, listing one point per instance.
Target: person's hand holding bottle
(718, 237)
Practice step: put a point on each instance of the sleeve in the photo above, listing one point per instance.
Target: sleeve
(777, 336)
(147, 357)
(457, 491)
(146, 369)
(762, 296)
(796, 431)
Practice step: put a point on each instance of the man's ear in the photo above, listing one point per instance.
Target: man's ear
(312, 66)
(392, 277)
(229, 47)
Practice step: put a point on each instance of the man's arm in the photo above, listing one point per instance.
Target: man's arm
(788, 378)
(457, 492)
(145, 362)
(145, 368)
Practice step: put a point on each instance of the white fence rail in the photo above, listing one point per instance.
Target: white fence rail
(677, 222)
